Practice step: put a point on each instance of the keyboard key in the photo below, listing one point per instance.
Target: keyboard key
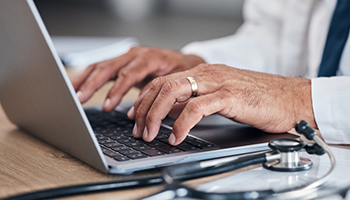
(101, 137)
(199, 143)
(164, 130)
(113, 130)
(129, 152)
(121, 148)
(121, 158)
(162, 136)
(98, 135)
(110, 153)
(205, 145)
(169, 149)
(125, 141)
(111, 134)
(194, 141)
(134, 144)
(165, 140)
(115, 144)
(156, 143)
(187, 147)
(153, 152)
(120, 137)
(142, 147)
(106, 141)
(137, 156)
(124, 131)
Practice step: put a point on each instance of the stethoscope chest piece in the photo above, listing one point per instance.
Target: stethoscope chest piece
(289, 159)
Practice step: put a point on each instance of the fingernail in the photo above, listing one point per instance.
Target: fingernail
(79, 93)
(172, 139)
(134, 131)
(131, 113)
(145, 133)
(107, 103)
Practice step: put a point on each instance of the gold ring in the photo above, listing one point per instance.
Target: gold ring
(194, 86)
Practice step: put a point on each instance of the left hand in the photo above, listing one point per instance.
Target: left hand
(268, 102)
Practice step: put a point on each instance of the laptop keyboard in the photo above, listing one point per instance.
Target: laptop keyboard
(113, 131)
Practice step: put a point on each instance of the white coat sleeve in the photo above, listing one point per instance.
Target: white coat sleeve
(331, 104)
(254, 46)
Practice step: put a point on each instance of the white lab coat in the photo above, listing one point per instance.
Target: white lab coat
(287, 37)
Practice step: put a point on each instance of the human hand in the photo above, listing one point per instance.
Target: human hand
(269, 102)
(136, 67)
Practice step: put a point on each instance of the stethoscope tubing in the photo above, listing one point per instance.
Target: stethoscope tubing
(88, 188)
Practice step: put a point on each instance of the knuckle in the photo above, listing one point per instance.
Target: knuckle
(102, 67)
(138, 114)
(196, 106)
(148, 52)
(209, 67)
(150, 119)
(171, 86)
(124, 72)
(157, 82)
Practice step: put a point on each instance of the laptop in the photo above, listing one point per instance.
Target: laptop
(36, 95)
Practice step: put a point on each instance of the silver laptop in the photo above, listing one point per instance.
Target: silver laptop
(36, 94)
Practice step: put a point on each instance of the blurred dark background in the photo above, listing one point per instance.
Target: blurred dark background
(162, 23)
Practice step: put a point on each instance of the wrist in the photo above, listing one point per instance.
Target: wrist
(303, 101)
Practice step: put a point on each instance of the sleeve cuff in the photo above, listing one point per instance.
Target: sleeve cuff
(330, 99)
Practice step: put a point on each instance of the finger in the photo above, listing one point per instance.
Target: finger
(143, 102)
(194, 111)
(98, 74)
(145, 88)
(147, 99)
(171, 92)
(131, 112)
(79, 81)
(96, 79)
(81, 78)
(136, 71)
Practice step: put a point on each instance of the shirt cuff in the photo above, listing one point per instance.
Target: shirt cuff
(330, 99)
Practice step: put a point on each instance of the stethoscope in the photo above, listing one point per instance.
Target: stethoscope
(283, 156)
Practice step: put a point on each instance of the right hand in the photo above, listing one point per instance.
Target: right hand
(135, 68)
(271, 103)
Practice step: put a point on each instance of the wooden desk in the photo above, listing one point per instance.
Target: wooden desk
(28, 164)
